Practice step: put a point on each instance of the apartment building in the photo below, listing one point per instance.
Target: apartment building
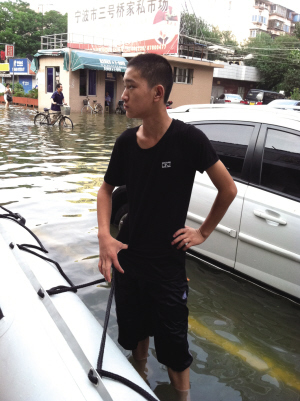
(248, 18)
(272, 18)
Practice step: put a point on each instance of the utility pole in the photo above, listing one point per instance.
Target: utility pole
(49, 4)
(13, 83)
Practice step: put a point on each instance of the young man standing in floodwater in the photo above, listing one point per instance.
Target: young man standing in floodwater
(157, 162)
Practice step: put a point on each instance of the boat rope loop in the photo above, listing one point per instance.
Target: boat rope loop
(60, 289)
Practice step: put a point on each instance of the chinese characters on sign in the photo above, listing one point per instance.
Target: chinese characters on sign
(9, 50)
(125, 26)
(120, 10)
(112, 65)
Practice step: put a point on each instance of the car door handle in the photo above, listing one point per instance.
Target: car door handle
(269, 217)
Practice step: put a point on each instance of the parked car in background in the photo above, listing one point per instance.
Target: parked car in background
(228, 98)
(259, 236)
(285, 104)
(260, 96)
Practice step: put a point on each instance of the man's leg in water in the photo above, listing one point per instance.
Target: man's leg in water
(180, 380)
(141, 351)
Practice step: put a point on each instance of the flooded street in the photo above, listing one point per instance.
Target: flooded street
(245, 340)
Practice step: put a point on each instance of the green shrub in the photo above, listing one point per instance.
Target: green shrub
(18, 88)
(33, 93)
(295, 94)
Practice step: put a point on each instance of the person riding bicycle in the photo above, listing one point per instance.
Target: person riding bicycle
(57, 99)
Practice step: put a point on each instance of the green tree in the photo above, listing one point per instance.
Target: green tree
(297, 30)
(55, 22)
(195, 30)
(295, 94)
(20, 24)
(291, 78)
(276, 59)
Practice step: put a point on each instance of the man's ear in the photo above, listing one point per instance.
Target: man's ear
(159, 93)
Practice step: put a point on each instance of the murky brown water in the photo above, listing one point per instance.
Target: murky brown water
(245, 340)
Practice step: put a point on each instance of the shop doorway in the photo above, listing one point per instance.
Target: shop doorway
(110, 89)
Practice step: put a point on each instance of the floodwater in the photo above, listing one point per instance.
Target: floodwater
(245, 341)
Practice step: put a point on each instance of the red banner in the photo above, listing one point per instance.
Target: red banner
(9, 51)
(2, 55)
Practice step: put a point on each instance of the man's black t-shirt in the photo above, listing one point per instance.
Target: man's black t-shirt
(159, 183)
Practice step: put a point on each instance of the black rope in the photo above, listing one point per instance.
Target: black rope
(60, 289)
(25, 247)
(21, 221)
(106, 321)
(104, 373)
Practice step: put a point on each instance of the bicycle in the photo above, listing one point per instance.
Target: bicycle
(87, 108)
(45, 119)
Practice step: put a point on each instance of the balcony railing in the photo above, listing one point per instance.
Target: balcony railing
(83, 42)
(56, 41)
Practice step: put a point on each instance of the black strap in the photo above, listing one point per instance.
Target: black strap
(59, 289)
(104, 373)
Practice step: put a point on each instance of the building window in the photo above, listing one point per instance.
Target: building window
(254, 18)
(52, 79)
(87, 83)
(262, 19)
(183, 75)
(286, 28)
(253, 33)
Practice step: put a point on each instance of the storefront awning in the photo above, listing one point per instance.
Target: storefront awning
(53, 53)
(97, 61)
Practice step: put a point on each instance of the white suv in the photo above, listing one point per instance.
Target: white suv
(260, 234)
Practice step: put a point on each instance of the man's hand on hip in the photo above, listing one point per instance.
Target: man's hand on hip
(109, 248)
(187, 237)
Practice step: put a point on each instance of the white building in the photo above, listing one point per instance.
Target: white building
(246, 18)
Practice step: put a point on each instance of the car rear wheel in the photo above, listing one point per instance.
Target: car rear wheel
(121, 216)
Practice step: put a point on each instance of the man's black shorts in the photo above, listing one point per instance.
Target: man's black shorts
(156, 309)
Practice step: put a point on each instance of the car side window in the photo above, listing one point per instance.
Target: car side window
(222, 97)
(230, 141)
(281, 163)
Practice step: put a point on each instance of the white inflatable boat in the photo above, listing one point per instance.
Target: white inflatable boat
(49, 345)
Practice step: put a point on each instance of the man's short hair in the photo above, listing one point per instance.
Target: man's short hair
(58, 85)
(155, 69)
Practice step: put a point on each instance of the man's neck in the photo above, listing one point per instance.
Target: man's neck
(153, 129)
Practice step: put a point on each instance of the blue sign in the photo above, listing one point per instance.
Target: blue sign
(26, 81)
(18, 66)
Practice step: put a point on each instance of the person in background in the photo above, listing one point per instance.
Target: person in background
(57, 99)
(107, 99)
(157, 162)
(7, 92)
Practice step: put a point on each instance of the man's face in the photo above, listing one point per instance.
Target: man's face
(60, 89)
(137, 96)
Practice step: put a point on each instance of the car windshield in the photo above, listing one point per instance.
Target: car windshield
(233, 96)
(283, 102)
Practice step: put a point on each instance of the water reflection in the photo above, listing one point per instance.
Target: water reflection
(244, 340)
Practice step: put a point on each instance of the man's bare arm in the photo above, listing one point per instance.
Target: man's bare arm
(226, 193)
(108, 246)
